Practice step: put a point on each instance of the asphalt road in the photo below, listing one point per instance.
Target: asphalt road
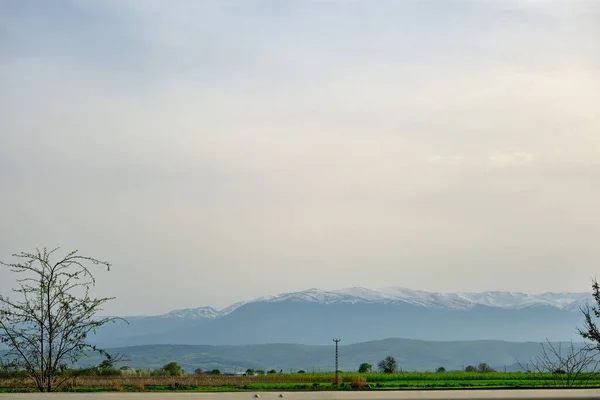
(387, 395)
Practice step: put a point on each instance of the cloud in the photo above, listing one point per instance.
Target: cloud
(511, 159)
(311, 142)
(444, 160)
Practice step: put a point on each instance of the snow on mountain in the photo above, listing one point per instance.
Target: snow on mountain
(231, 308)
(203, 312)
(399, 295)
(194, 313)
(323, 296)
(366, 294)
(465, 300)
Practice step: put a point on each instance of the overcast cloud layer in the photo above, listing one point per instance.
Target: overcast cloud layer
(220, 151)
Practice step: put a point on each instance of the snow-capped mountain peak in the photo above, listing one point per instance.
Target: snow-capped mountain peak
(400, 295)
(460, 300)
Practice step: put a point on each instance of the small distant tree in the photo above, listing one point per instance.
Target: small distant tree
(364, 368)
(47, 327)
(260, 372)
(173, 369)
(107, 368)
(199, 371)
(272, 372)
(215, 372)
(388, 365)
(440, 370)
(106, 364)
(250, 371)
(302, 371)
(484, 367)
(470, 368)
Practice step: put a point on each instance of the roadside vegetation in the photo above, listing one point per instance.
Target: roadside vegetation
(149, 381)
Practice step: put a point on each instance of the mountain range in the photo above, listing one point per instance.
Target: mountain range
(314, 316)
(397, 295)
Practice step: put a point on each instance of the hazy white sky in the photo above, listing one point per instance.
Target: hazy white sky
(220, 151)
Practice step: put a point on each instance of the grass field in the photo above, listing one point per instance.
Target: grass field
(319, 381)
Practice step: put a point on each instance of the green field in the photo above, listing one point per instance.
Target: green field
(318, 381)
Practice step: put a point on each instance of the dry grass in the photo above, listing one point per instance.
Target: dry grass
(117, 386)
(140, 383)
(16, 383)
(141, 386)
(358, 382)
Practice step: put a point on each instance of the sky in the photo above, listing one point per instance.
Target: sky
(215, 152)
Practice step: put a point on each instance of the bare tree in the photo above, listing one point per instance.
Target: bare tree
(47, 329)
(570, 367)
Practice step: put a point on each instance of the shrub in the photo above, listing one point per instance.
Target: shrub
(559, 371)
(173, 369)
(129, 372)
(358, 382)
(109, 372)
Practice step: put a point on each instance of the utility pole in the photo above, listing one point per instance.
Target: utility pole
(336, 359)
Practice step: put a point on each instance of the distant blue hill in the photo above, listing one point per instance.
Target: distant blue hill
(411, 355)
